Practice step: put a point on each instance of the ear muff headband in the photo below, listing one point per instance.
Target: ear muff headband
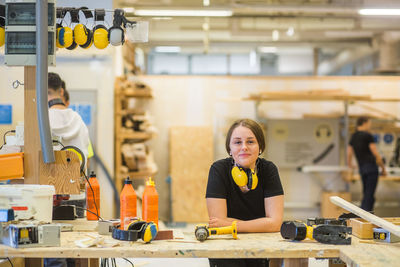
(80, 154)
(73, 46)
(100, 36)
(243, 177)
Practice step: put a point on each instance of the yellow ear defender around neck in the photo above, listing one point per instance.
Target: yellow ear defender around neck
(244, 177)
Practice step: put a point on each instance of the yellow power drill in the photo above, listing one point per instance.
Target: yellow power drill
(202, 231)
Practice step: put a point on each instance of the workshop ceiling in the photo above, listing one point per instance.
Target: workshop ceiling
(326, 24)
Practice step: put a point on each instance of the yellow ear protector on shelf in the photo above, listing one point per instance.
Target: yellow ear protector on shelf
(116, 34)
(80, 154)
(138, 229)
(244, 177)
(100, 36)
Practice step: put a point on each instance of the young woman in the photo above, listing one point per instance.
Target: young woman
(244, 188)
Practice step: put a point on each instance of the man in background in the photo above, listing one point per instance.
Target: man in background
(363, 146)
(65, 123)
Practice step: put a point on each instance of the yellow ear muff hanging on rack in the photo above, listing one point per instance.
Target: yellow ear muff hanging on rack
(100, 36)
(243, 177)
(66, 36)
(58, 34)
(2, 36)
(81, 34)
(2, 24)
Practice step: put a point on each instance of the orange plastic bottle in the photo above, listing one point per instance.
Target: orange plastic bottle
(127, 203)
(150, 203)
(93, 198)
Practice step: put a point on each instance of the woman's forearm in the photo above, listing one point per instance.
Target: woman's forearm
(261, 225)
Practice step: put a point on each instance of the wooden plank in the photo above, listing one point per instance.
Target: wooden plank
(191, 155)
(16, 262)
(258, 245)
(371, 255)
(31, 128)
(64, 173)
(364, 229)
(295, 262)
(394, 229)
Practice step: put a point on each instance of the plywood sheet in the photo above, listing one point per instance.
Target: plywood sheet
(191, 155)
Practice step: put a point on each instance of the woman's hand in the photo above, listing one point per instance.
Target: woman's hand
(219, 222)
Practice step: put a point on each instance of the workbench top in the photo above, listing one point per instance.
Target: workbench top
(266, 245)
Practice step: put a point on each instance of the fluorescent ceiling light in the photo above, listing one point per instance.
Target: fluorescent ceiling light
(379, 12)
(275, 35)
(167, 49)
(128, 9)
(183, 13)
(267, 49)
(206, 2)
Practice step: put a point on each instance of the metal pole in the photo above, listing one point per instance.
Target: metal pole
(41, 80)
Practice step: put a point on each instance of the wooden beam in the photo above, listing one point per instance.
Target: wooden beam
(366, 215)
(31, 128)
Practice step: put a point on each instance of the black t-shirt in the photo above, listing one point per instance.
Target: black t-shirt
(360, 141)
(243, 206)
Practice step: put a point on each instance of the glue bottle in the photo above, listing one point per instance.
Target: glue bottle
(93, 198)
(127, 203)
(150, 203)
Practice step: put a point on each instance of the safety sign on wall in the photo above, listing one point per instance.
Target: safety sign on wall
(293, 143)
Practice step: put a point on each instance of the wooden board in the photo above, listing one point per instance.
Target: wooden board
(364, 229)
(191, 155)
(31, 128)
(64, 173)
(394, 229)
(259, 245)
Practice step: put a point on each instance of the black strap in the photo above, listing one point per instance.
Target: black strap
(74, 15)
(86, 12)
(128, 235)
(56, 101)
(99, 14)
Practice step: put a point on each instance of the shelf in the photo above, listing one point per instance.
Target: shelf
(135, 135)
(138, 174)
(137, 94)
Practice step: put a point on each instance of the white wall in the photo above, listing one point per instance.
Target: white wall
(83, 72)
(214, 101)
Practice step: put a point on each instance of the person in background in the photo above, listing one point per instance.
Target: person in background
(65, 123)
(66, 94)
(362, 145)
(68, 127)
(256, 206)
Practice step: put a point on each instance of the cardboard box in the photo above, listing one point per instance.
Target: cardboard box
(330, 210)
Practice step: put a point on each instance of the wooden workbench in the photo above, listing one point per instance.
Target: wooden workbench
(247, 246)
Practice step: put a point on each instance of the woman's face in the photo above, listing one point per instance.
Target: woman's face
(244, 147)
